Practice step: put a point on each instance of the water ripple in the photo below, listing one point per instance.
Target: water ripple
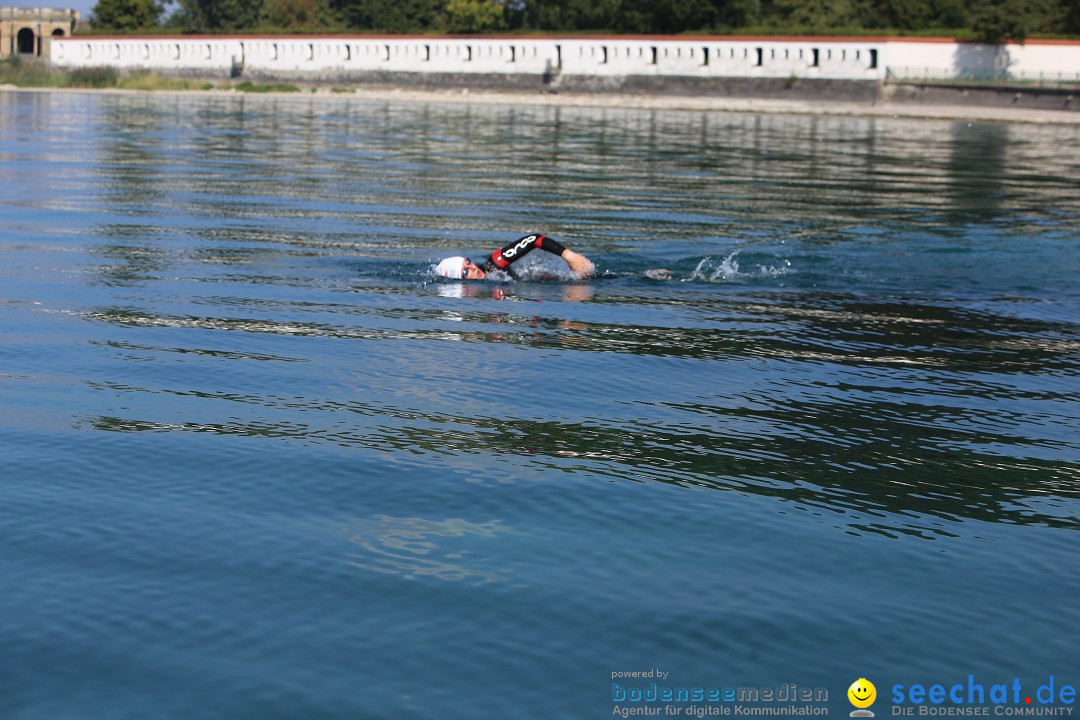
(260, 462)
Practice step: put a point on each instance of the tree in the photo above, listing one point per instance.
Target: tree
(918, 14)
(222, 15)
(561, 15)
(472, 16)
(1072, 16)
(395, 16)
(998, 21)
(737, 13)
(665, 16)
(296, 14)
(126, 15)
(817, 15)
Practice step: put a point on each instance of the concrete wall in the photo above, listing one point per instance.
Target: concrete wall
(594, 57)
(570, 61)
(1045, 58)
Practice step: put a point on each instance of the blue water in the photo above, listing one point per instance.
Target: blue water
(259, 463)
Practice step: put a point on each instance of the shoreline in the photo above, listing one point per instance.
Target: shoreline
(486, 96)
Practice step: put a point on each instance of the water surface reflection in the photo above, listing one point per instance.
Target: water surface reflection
(252, 436)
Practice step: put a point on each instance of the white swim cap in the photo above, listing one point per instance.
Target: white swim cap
(451, 267)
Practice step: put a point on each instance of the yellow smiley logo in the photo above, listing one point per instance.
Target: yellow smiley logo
(862, 693)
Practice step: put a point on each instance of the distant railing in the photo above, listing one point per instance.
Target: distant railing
(44, 14)
(995, 78)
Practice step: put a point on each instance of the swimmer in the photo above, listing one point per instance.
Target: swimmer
(459, 268)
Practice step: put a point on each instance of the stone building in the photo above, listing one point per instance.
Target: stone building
(27, 31)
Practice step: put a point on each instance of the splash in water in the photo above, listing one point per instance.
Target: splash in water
(708, 270)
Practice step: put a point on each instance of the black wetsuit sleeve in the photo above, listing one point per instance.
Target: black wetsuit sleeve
(503, 257)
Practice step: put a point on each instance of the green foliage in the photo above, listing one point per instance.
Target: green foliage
(996, 23)
(150, 81)
(989, 20)
(820, 14)
(220, 15)
(1001, 20)
(394, 16)
(93, 77)
(737, 13)
(1072, 16)
(664, 16)
(256, 88)
(474, 16)
(126, 15)
(570, 15)
(919, 14)
(297, 15)
(180, 20)
(13, 71)
(995, 19)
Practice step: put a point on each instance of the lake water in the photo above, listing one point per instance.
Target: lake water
(259, 463)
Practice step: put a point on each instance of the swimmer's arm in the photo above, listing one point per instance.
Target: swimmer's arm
(579, 264)
(501, 259)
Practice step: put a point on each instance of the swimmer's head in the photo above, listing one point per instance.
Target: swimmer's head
(458, 267)
(451, 267)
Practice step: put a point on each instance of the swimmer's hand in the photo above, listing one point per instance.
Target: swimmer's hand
(579, 264)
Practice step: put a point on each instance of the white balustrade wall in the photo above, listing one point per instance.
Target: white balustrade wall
(849, 59)
(1048, 57)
